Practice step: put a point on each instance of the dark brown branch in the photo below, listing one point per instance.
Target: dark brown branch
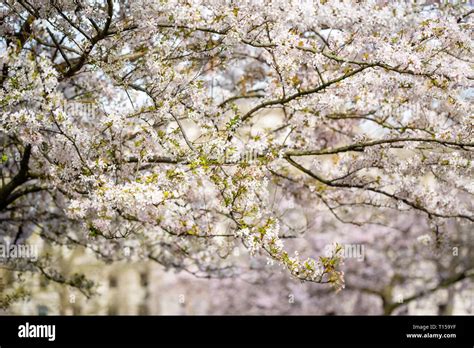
(93, 41)
(443, 284)
(373, 189)
(361, 146)
(20, 178)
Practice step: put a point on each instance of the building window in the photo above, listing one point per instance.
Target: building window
(143, 309)
(113, 282)
(42, 310)
(43, 283)
(144, 279)
(112, 310)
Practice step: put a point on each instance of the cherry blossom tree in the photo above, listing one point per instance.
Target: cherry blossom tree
(400, 268)
(183, 131)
